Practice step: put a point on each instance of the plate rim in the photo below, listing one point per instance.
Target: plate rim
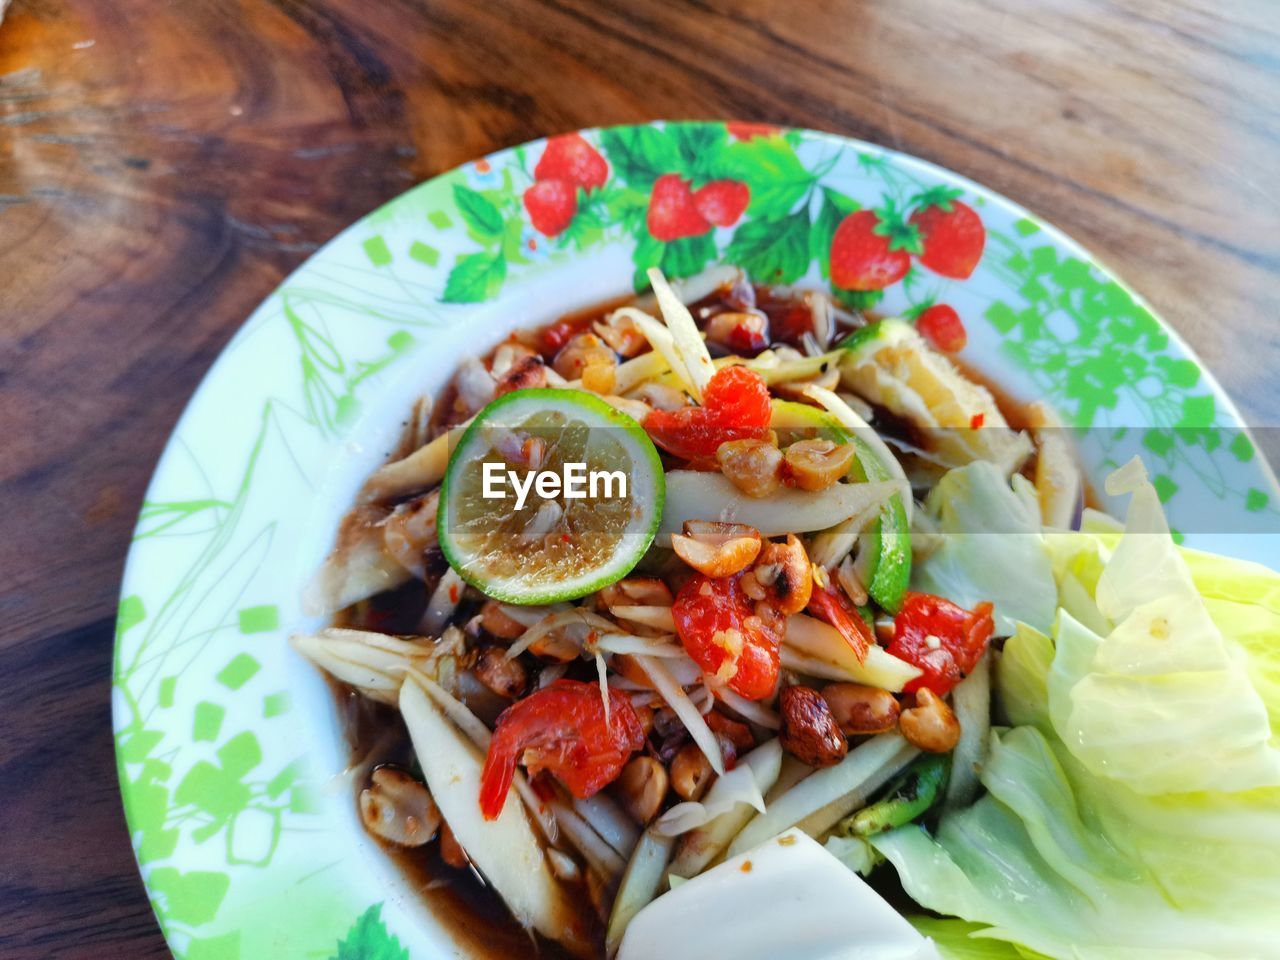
(166, 459)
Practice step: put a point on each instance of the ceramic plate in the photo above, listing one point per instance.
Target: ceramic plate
(229, 748)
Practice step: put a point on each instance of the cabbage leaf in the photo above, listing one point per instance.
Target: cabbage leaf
(1133, 808)
(991, 547)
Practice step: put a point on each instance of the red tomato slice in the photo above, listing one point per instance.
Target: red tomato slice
(561, 729)
(715, 621)
(944, 640)
(836, 609)
(735, 406)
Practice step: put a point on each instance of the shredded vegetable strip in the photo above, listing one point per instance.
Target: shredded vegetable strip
(420, 470)
(599, 855)
(455, 710)
(702, 699)
(776, 370)
(602, 673)
(822, 820)
(531, 616)
(689, 715)
(863, 430)
(684, 333)
(751, 710)
(551, 673)
(574, 616)
(609, 820)
(850, 781)
(373, 663)
(832, 546)
(971, 701)
(821, 669)
(443, 603)
(659, 618)
(850, 583)
(631, 373)
(662, 342)
(639, 885)
(628, 643)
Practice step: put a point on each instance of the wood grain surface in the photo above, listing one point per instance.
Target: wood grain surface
(163, 165)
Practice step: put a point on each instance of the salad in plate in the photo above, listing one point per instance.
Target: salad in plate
(728, 622)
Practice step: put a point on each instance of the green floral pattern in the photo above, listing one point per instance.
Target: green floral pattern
(225, 755)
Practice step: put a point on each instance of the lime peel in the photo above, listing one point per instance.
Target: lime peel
(888, 539)
(558, 547)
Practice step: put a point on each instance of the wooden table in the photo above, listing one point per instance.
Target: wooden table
(163, 165)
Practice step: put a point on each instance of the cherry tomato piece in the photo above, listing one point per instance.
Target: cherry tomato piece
(717, 622)
(735, 406)
(556, 336)
(944, 640)
(561, 729)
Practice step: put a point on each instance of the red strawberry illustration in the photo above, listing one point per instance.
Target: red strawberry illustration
(551, 205)
(572, 159)
(952, 233)
(941, 326)
(722, 201)
(748, 131)
(672, 213)
(871, 250)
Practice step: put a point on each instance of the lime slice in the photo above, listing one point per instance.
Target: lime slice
(888, 540)
(892, 366)
(593, 498)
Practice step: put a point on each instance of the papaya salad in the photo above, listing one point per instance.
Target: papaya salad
(833, 647)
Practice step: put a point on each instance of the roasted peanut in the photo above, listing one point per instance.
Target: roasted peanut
(498, 624)
(526, 373)
(624, 665)
(637, 591)
(581, 350)
(859, 709)
(508, 355)
(809, 730)
(451, 851)
(645, 716)
(398, 808)
(507, 678)
(691, 773)
(642, 786)
(555, 646)
(794, 389)
(930, 724)
(660, 396)
(816, 464)
(753, 466)
(716, 549)
(739, 331)
(622, 334)
(781, 576)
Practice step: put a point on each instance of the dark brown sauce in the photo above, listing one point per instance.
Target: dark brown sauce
(471, 913)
